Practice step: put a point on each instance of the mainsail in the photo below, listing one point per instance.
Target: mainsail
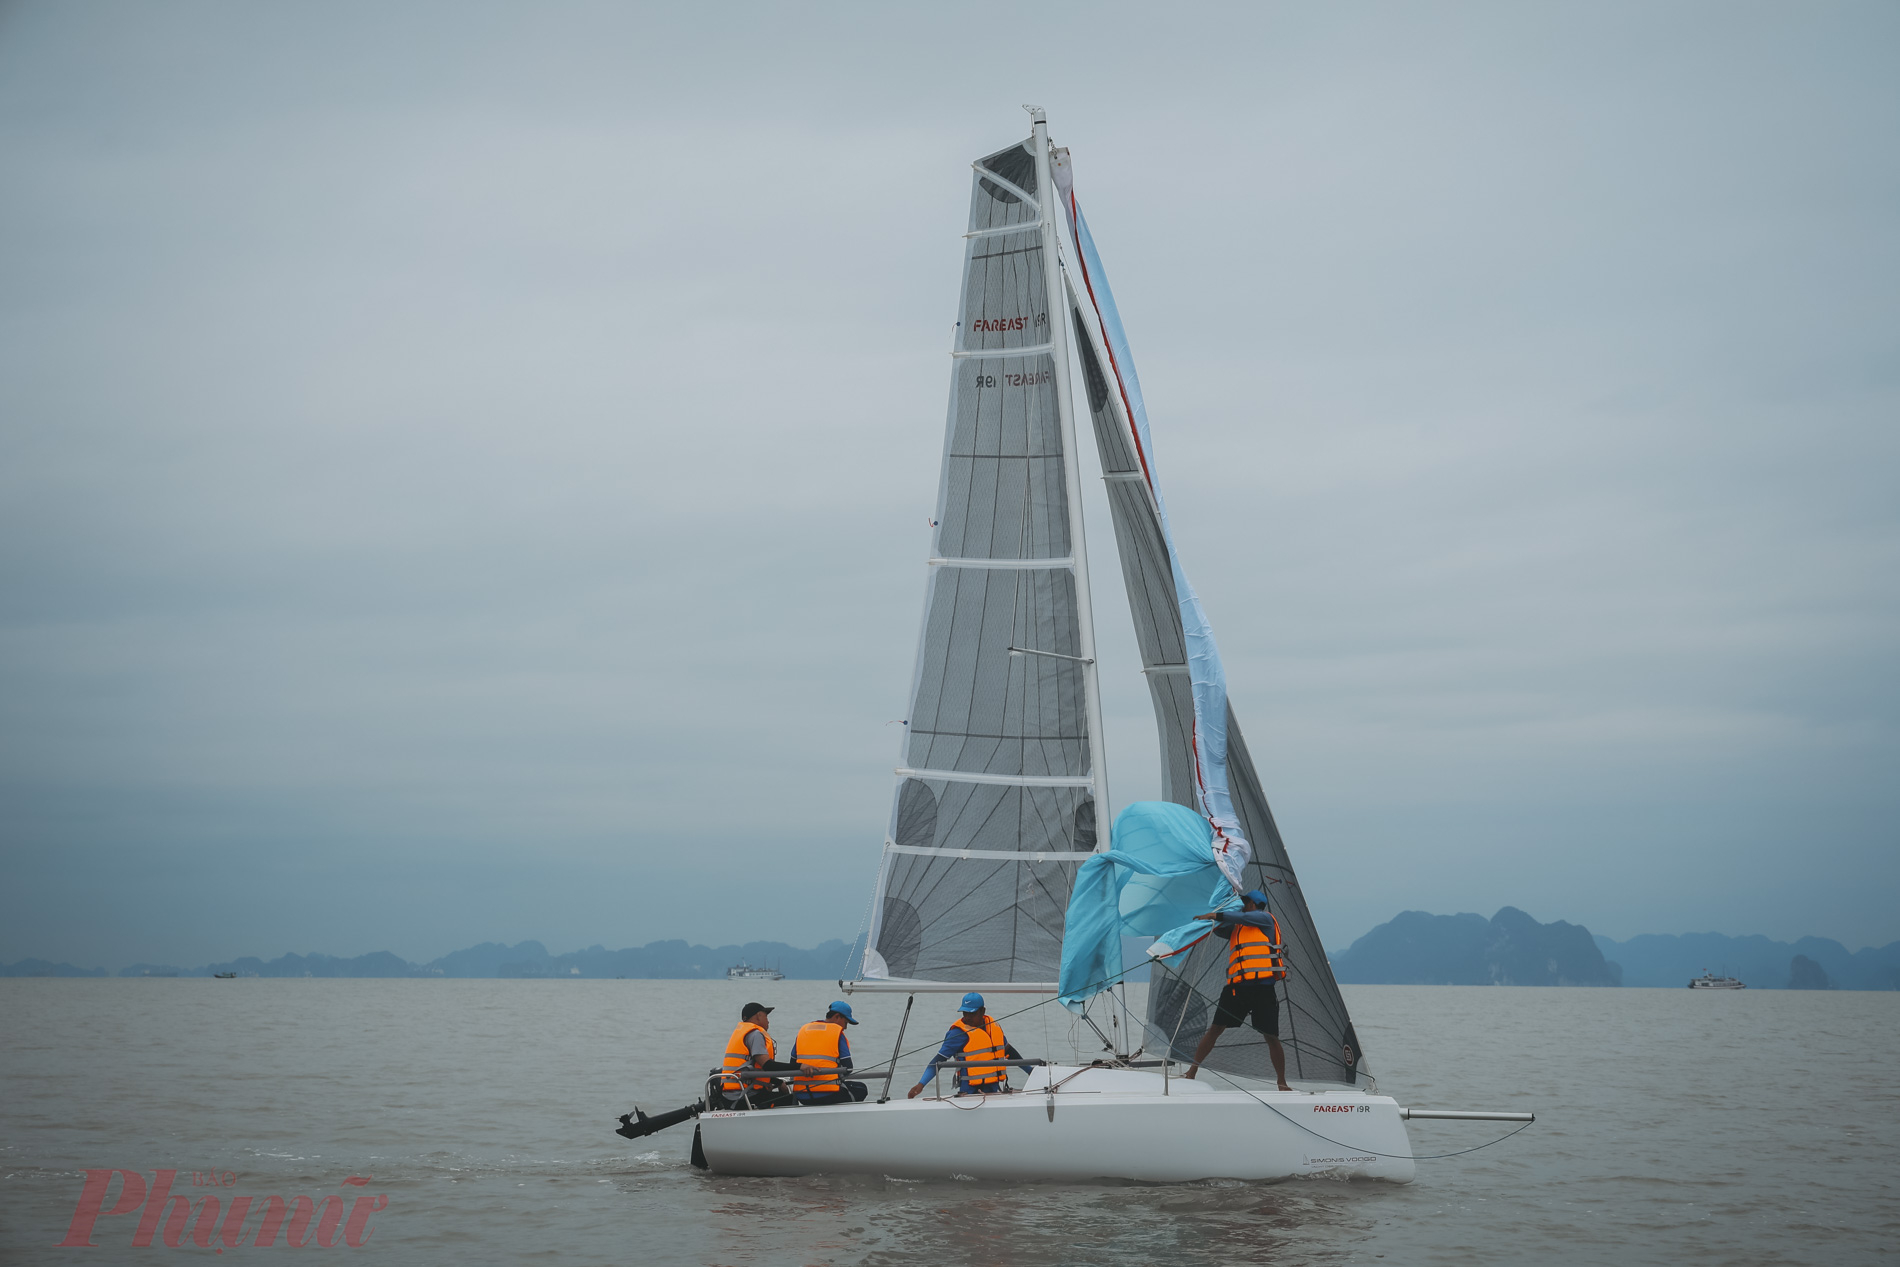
(1204, 759)
(1001, 782)
(998, 792)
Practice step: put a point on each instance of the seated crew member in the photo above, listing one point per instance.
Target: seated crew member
(751, 1047)
(823, 1058)
(974, 1036)
(1255, 960)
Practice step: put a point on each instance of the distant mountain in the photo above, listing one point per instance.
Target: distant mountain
(1510, 948)
(528, 959)
(378, 963)
(41, 968)
(660, 959)
(1805, 974)
(1666, 959)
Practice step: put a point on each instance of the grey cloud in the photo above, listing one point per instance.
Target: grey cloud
(461, 470)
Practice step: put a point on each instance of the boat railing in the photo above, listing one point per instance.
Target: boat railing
(747, 1078)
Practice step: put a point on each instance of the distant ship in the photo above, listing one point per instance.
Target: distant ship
(1709, 981)
(743, 971)
(225, 976)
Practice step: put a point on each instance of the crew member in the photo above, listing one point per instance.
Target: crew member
(823, 1058)
(974, 1037)
(1255, 960)
(751, 1047)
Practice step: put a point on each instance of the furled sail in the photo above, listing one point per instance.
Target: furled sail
(1205, 763)
(996, 796)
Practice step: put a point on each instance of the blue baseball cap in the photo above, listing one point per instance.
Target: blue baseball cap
(1257, 896)
(843, 1009)
(972, 1002)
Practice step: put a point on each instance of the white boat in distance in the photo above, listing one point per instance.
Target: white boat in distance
(1001, 785)
(1709, 981)
(743, 971)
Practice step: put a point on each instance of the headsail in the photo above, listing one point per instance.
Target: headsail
(1205, 763)
(1000, 783)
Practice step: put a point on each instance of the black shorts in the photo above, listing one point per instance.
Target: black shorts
(1258, 997)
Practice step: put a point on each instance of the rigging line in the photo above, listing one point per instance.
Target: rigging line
(943, 877)
(947, 830)
(967, 734)
(987, 919)
(996, 807)
(1355, 1147)
(1104, 984)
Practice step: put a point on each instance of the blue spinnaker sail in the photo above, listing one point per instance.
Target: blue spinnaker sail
(1158, 877)
(1209, 679)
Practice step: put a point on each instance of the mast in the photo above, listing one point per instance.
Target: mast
(1054, 277)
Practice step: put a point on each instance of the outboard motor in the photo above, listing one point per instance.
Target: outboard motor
(636, 1124)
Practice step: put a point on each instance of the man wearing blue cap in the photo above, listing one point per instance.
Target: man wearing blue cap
(823, 1058)
(974, 1037)
(1255, 960)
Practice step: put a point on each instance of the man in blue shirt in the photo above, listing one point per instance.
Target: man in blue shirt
(974, 1036)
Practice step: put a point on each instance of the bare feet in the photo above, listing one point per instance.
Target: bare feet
(1285, 1087)
(1192, 1070)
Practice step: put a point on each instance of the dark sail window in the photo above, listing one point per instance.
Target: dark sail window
(1091, 369)
(900, 936)
(1015, 165)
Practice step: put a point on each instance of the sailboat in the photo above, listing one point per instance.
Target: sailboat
(1002, 786)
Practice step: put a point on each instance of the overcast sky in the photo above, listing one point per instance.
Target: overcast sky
(464, 469)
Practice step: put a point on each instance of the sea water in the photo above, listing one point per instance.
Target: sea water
(1673, 1126)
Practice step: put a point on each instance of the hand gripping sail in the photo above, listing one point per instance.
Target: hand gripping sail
(1000, 779)
(1205, 763)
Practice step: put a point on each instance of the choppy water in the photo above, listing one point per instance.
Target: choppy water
(1748, 1127)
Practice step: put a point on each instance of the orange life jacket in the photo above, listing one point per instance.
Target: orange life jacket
(738, 1057)
(818, 1043)
(1255, 955)
(982, 1042)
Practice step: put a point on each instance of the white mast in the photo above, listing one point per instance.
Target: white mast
(1054, 277)
(1052, 273)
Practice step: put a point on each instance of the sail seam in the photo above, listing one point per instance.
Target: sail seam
(1033, 349)
(1031, 227)
(1005, 780)
(1002, 855)
(1021, 565)
(971, 734)
(1018, 190)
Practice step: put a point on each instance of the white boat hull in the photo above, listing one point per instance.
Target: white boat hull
(1106, 1124)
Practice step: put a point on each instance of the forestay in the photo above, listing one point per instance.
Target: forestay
(998, 785)
(1204, 759)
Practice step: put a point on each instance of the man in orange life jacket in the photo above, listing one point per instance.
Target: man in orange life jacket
(823, 1058)
(751, 1047)
(974, 1036)
(1255, 960)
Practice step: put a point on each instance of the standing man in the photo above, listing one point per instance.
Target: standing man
(973, 1037)
(751, 1047)
(1255, 960)
(823, 1058)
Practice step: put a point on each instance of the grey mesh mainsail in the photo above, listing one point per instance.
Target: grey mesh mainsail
(995, 804)
(1314, 1025)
